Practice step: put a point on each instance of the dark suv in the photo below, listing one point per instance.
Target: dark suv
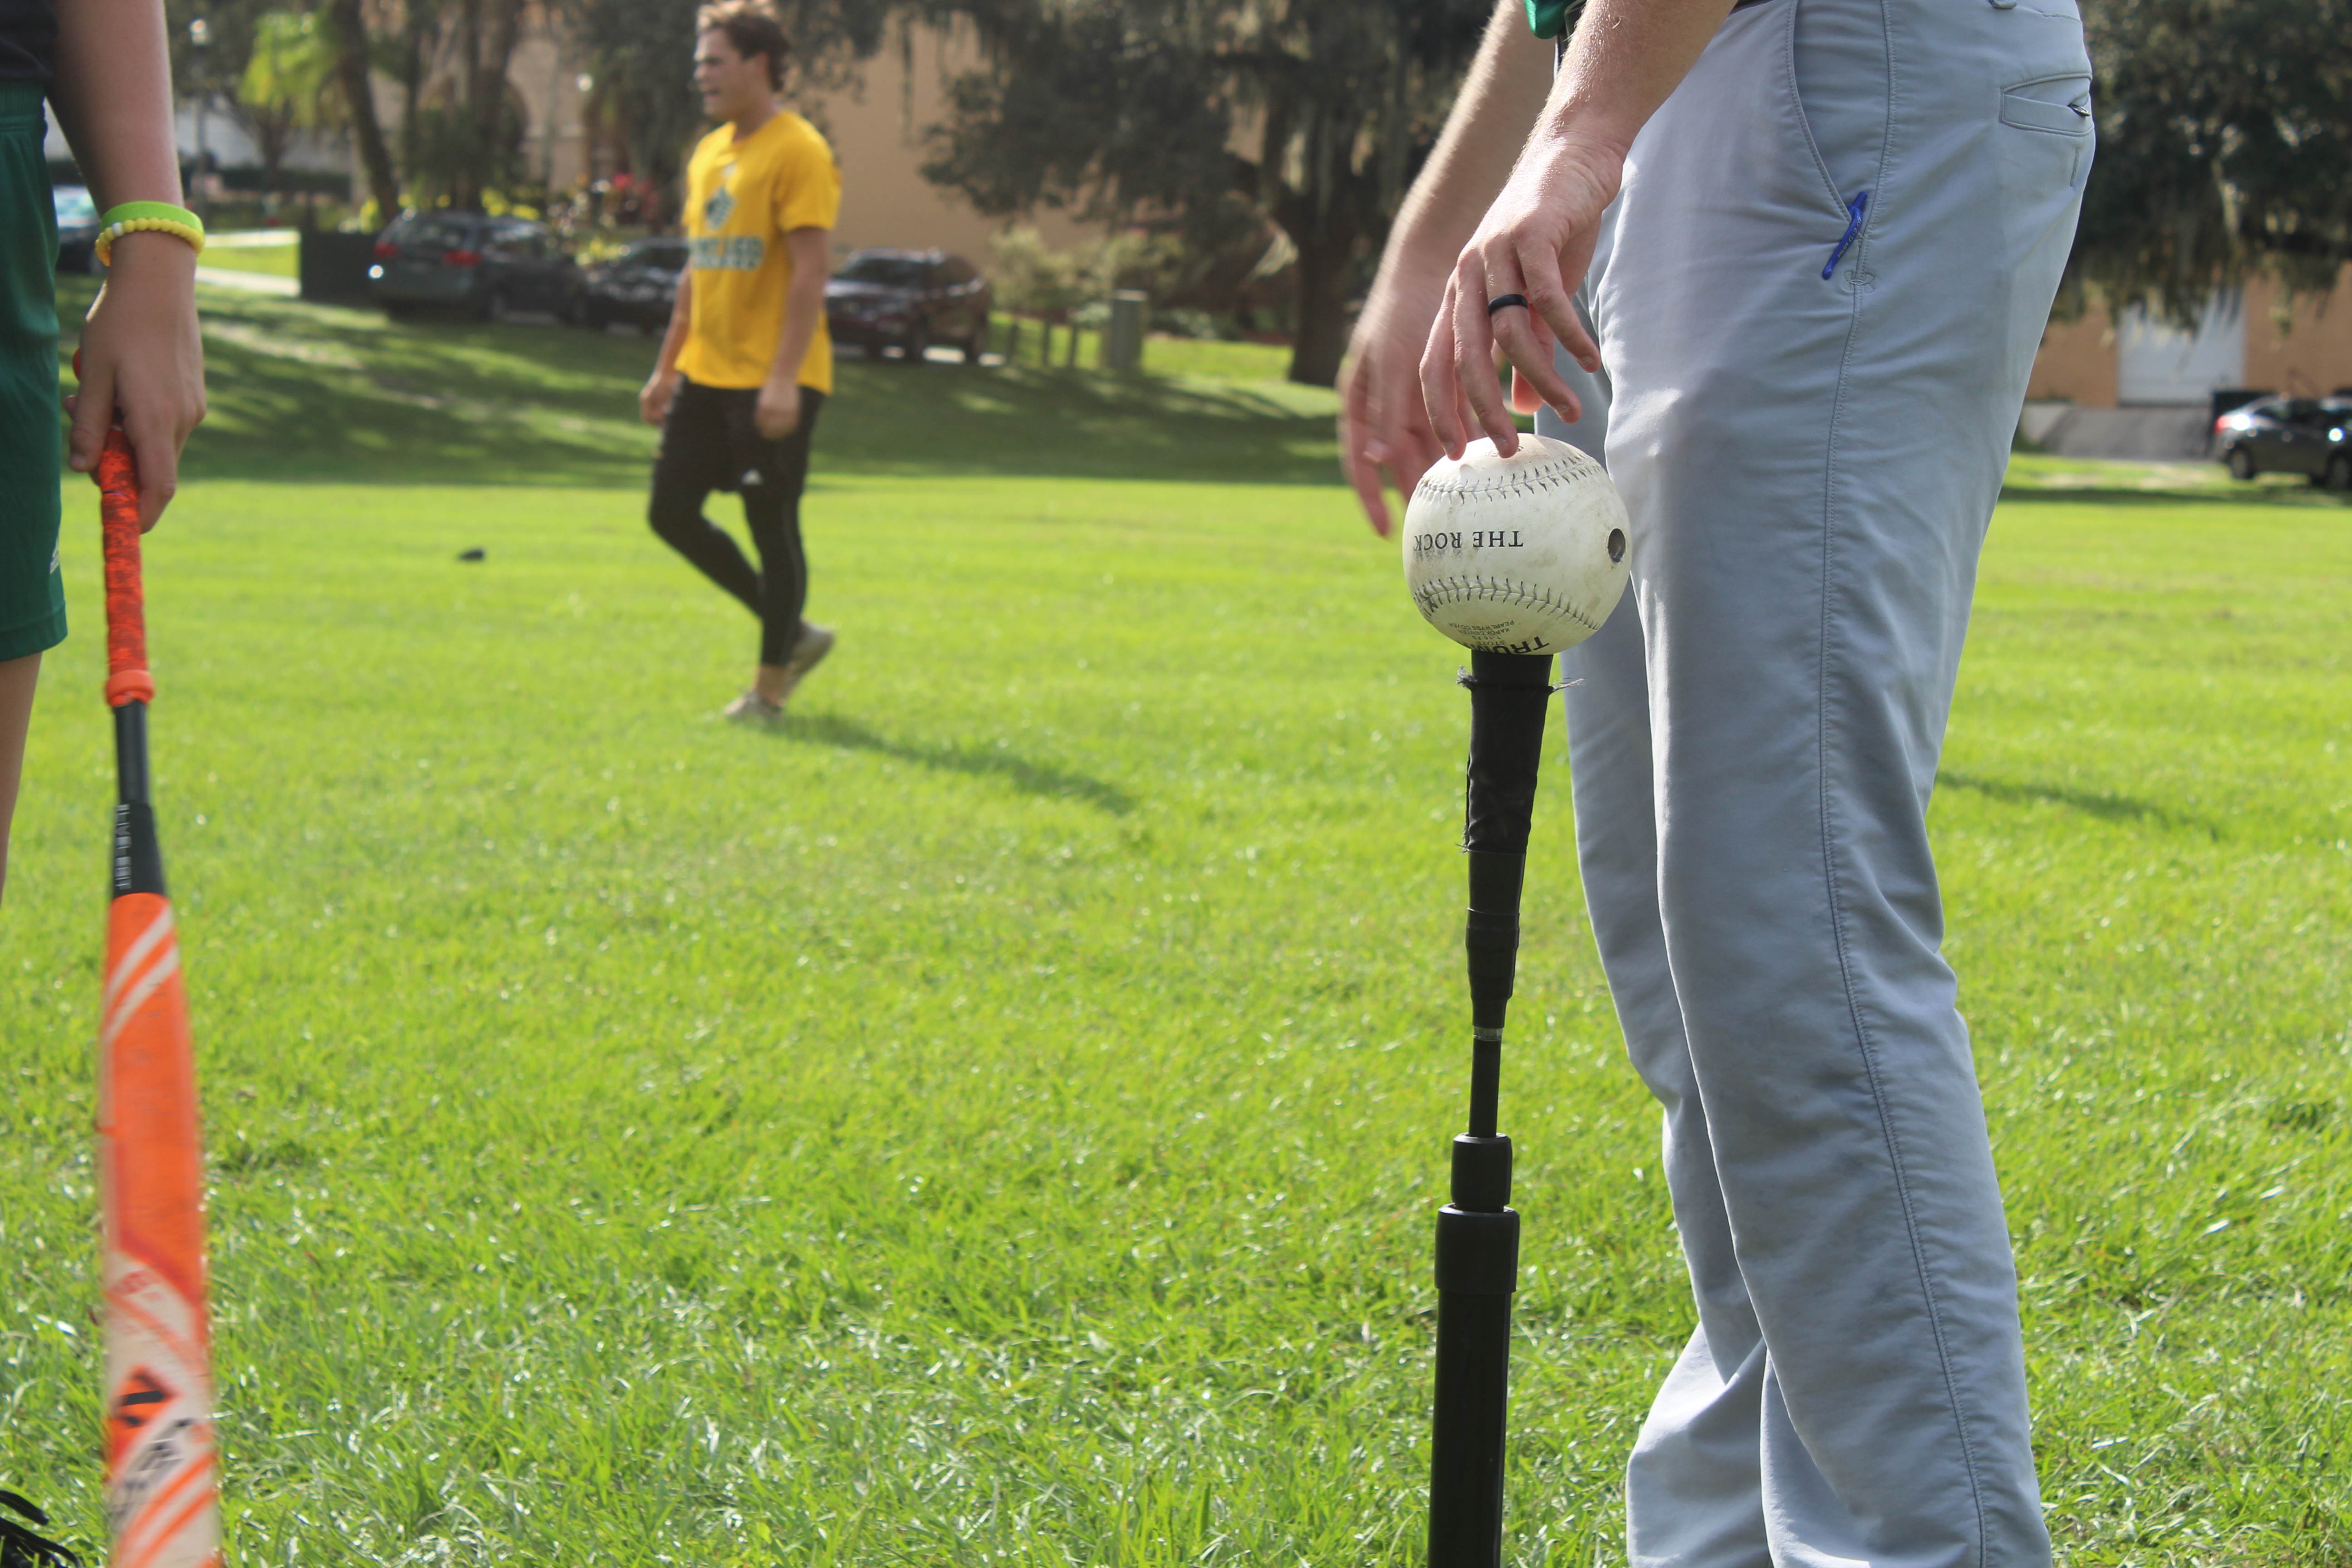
(910, 299)
(2306, 435)
(638, 286)
(469, 261)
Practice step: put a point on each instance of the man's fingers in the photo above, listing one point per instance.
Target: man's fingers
(158, 462)
(93, 412)
(1578, 341)
(1412, 458)
(1360, 453)
(1364, 474)
(1543, 380)
(1551, 294)
(1524, 398)
(1527, 339)
(1468, 415)
(1440, 386)
(1472, 354)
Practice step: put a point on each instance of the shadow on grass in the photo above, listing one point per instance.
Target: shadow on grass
(2107, 808)
(2134, 496)
(320, 392)
(977, 761)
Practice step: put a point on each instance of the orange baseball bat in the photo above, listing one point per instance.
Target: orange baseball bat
(162, 1501)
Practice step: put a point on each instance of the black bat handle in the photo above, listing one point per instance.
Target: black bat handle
(138, 860)
(1478, 1233)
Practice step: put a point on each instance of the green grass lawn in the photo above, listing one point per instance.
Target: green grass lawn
(998, 1119)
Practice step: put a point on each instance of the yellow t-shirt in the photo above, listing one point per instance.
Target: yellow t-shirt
(741, 199)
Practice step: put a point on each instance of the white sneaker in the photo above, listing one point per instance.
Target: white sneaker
(808, 651)
(755, 710)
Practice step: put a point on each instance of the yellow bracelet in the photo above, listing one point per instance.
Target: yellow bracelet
(172, 226)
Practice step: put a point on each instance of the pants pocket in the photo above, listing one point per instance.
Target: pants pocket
(1839, 69)
(2047, 127)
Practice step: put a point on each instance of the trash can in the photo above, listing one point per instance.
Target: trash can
(1130, 309)
(334, 266)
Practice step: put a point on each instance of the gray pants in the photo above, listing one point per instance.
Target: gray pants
(1809, 462)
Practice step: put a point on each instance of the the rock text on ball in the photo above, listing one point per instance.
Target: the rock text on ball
(1489, 539)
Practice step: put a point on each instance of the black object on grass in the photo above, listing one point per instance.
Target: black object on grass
(1478, 1233)
(20, 1548)
(476, 554)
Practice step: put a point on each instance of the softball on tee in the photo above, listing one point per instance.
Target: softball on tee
(1520, 554)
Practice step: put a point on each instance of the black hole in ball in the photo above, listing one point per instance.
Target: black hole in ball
(1616, 544)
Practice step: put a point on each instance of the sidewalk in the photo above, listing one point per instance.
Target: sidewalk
(2163, 432)
(251, 282)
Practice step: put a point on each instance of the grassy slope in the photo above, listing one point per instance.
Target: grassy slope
(310, 392)
(997, 1120)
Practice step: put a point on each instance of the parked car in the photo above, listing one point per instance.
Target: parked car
(909, 299)
(638, 286)
(2307, 435)
(77, 230)
(486, 266)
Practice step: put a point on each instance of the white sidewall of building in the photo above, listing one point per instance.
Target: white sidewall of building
(2159, 363)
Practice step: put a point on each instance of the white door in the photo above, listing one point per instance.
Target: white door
(2159, 363)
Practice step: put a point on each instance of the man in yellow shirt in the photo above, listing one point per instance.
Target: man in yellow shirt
(747, 362)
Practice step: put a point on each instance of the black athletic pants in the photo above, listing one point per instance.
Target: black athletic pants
(709, 443)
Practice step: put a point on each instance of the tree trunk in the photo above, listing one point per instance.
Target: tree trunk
(1326, 268)
(489, 91)
(464, 178)
(1324, 224)
(272, 130)
(352, 71)
(412, 86)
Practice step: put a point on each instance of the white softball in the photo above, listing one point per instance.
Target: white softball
(1527, 553)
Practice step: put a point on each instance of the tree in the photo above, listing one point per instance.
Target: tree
(483, 122)
(2225, 148)
(353, 65)
(460, 126)
(640, 55)
(288, 85)
(1318, 112)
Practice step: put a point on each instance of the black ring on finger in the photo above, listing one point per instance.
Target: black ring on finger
(1505, 302)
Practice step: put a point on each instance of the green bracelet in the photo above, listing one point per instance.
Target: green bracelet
(131, 217)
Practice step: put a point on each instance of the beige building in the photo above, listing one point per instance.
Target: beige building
(876, 129)
(2103, 362)
(877, 138)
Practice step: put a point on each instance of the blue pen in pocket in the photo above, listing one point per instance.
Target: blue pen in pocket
(1853, 211)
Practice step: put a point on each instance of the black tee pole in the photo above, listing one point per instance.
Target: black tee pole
(1477, 1233)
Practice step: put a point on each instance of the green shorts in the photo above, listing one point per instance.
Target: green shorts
(32, 594)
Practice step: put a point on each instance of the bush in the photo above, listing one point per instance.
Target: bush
(1220, 278)
(1186, 324)
(1031, 278)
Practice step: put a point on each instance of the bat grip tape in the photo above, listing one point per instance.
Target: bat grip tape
(127, 678)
